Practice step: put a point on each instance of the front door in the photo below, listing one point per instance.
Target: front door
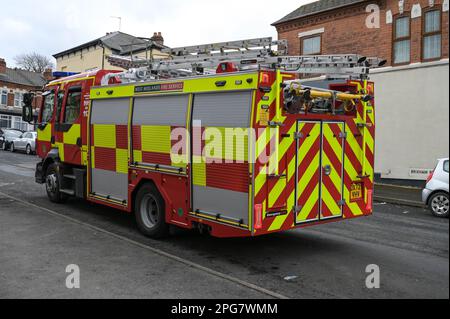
(320, 171)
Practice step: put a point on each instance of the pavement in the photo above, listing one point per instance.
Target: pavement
(39, 239)
(399, 195)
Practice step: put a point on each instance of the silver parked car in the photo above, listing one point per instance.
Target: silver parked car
(7, 136)
(26, 142)
(435, 194)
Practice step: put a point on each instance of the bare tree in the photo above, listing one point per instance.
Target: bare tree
(34, 62)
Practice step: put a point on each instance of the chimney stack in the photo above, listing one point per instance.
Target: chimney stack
(2, 66)
(48, 74)
(157, 38)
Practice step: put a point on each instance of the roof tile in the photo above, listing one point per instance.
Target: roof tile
(317, 7)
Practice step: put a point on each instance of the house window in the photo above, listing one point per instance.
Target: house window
(5, 121)
(402, 40)
(312, 45)
(432, 35)
(19, 124)
(18, 99)
(4, 97)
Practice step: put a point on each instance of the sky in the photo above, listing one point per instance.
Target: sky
(53, 26)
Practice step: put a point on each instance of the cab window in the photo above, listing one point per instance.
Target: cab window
(73, 106)
(49, 106)
(446, 168)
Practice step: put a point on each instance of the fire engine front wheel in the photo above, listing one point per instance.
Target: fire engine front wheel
(52, 185)
(150, 212)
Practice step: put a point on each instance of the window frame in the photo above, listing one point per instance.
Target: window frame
(77, 87)
(395, 39)
(53, 91)
(430, 34)
(302, 39)
(19, 100)
(4, 92)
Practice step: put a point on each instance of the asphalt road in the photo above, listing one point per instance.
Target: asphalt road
(38, 241)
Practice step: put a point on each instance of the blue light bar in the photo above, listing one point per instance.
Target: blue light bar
(63, 74)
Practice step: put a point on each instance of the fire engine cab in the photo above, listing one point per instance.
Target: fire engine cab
(222, 137)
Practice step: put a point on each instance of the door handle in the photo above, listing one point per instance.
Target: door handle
(327, 170)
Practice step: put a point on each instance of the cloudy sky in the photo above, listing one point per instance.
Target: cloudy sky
(52, 26)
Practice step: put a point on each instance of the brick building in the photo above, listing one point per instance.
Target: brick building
(13, 84)
(412, 96)
(408, 31)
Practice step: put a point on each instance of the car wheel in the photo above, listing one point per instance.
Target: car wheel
(12, 148)
(52, 185)
(150, 212)
(439, 205)
(28, 150)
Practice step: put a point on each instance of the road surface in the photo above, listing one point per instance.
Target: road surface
(38, 240)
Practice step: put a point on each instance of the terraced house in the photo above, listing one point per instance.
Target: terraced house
(13, 84)
(94, 54)
(412, 89)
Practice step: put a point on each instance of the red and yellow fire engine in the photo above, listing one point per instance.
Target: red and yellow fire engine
(246, 149)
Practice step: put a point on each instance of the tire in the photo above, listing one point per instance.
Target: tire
(12, 148)
(439, 205)
(52, 185)
(28, 150)
(150, 212)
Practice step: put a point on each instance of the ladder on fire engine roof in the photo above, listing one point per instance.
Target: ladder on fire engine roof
(244, 55)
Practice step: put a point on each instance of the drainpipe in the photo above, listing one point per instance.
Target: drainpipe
(103, 56)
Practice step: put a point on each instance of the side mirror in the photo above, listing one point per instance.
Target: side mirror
(27, 109)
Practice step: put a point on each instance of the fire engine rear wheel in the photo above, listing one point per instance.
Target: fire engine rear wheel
(53, 185)
(150, 212)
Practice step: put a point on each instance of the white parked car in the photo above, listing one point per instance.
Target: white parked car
(435, 194)
(26, 142)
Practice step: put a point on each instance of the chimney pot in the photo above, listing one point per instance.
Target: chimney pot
(48, 74)
(158, 38)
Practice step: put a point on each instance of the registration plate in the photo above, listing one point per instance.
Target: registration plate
(357, 192)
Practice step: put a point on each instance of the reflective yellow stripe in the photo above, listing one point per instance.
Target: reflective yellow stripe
(335, 145)
(60, 147)
(308, 175)
(72, 135)
(335, 176)
(330, 202)
(93, 157)
(137, 156)
(309, 205)
(45, 135)
(122, 161)
(260, 180)
(199, 171)
(277, 190)
(105, 136)
(156, 139)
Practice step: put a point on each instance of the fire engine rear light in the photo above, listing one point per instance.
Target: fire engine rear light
(369, 206)
(258, 217)
(265, 79)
